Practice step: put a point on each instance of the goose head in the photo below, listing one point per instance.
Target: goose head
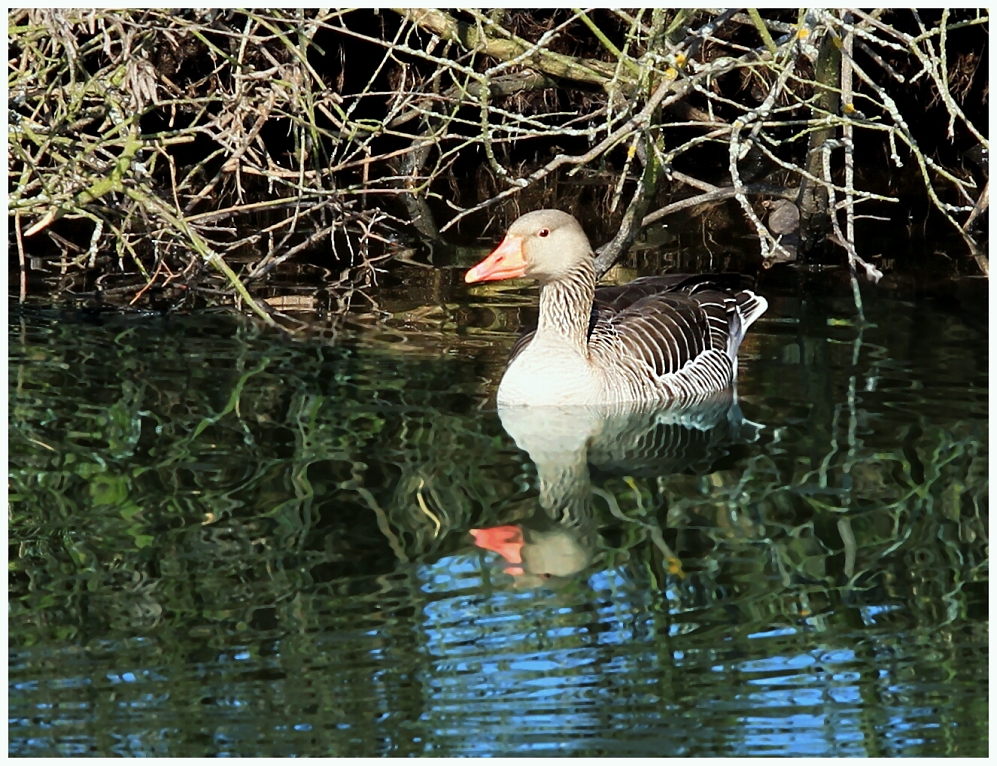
(545, 245)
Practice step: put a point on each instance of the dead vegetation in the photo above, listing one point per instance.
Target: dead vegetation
(164, 158)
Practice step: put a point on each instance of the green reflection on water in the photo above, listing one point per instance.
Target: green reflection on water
(225, 542)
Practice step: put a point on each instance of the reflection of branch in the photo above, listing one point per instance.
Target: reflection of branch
(382, 518)
(673, 561)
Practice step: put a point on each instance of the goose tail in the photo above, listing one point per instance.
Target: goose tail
(748, 307)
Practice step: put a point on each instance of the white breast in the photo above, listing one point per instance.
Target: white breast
(549, 373)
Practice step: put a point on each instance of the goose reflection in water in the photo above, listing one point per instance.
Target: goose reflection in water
(562, 540)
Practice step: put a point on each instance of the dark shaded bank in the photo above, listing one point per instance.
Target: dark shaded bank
(284, 160)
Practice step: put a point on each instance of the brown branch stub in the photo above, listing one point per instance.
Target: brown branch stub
(472, 38)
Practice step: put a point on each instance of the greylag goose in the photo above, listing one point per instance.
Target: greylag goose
(664, 339)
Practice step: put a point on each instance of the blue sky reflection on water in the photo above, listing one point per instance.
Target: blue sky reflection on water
(504, 664)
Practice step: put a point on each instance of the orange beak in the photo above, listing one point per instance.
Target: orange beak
(507, 541)
(506, 261)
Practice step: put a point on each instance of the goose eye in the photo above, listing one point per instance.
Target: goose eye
(543, 233)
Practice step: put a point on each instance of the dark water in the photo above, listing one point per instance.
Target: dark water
(226, 543)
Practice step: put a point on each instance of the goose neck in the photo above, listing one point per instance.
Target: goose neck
(566, 304)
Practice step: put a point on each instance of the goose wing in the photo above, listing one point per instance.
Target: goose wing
(667, 331)
(669, 320)
(521, 343)
(620, 297)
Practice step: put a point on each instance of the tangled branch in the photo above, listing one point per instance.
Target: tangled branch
(165, 151)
